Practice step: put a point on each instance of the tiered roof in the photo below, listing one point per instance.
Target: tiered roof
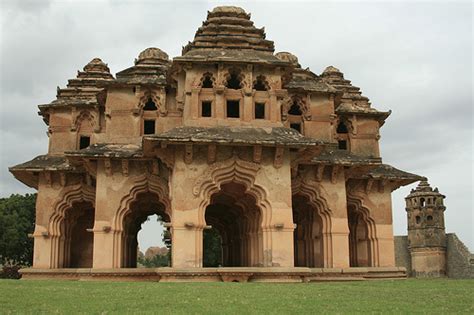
(84, 88)
(228, 34)
(351, 101)
(150, 67)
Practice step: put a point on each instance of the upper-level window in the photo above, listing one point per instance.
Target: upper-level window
(207, 81)
(84, 142)
(296, 126)
(149, 127)
(259, 110)
(206, 109)
(342, 128)
(260, 84)
(233, 109)
(295, 110)
(342, 144)
(150, 105)
(233, 81)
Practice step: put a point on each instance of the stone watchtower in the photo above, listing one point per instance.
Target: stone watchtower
(426, 234)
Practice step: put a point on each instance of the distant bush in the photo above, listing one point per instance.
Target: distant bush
(10, 272)
(155, 261)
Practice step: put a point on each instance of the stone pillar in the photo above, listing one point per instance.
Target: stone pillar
(106, 247)
(278, 246)
(187, 247)
(42, 253)
(336, 242)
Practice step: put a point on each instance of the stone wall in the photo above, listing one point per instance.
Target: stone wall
(402, 255)
(459, 260)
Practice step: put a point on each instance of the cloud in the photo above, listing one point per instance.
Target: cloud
(412, 58)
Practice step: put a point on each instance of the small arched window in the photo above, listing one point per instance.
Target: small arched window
(233, 82)
(418, 219)
(422, 202)
(260, 84)
(150, 105)
(207, 82)
(429, 218)
(295, 110)
(342, 128)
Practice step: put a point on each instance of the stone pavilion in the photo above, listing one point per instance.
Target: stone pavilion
(283, 163)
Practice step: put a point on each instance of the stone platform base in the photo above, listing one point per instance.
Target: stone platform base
(228, 274)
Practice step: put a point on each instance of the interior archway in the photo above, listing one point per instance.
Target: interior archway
(235, 217)
(145, 205)
(308, 235)
(76, 242)
(359, 240)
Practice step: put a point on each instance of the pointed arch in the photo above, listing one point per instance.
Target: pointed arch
(298, 102)
(243, 173)
(234, 78)
(310, 190)
(207, 81)
(261, 84)
(142, 184)
(363, 213)
(156, 97)
(57, 231)
(84, 117)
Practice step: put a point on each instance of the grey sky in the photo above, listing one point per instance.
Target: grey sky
(412, 58)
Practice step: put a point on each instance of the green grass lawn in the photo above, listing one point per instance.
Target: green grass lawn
(384, 296)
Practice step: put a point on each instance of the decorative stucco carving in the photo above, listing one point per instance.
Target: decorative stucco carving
(233, 168)
(158, 96)
(300, 102)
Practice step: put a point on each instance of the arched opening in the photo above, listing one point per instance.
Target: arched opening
(150, 105)
(342, 136)
(153, 241)
(295, 110)
(308, 235)
(144, 206)
(295, 117)
(342, 128)
(260, 84)
(76, 238)
(233, 81)
(235, 218)
(359, 239)
(85, 129)
(207, 81)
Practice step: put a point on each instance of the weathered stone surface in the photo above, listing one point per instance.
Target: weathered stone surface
(272, 136)
(459, 260)
(402, 254)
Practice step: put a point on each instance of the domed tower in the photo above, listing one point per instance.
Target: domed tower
(426, 233)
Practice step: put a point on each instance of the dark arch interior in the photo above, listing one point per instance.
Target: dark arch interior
(150, 105)
(342, 128)
(295, 110)
(207, 82)
(359, 242)
(308, 235)
(145, 205)
(76, 242)
(260, 85)
(233, 82)
(236, 223)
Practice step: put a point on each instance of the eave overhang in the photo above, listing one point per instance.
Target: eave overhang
(28, 172)
(241, 136)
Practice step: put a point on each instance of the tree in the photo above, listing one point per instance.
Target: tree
(17, 220)
(212, 248)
